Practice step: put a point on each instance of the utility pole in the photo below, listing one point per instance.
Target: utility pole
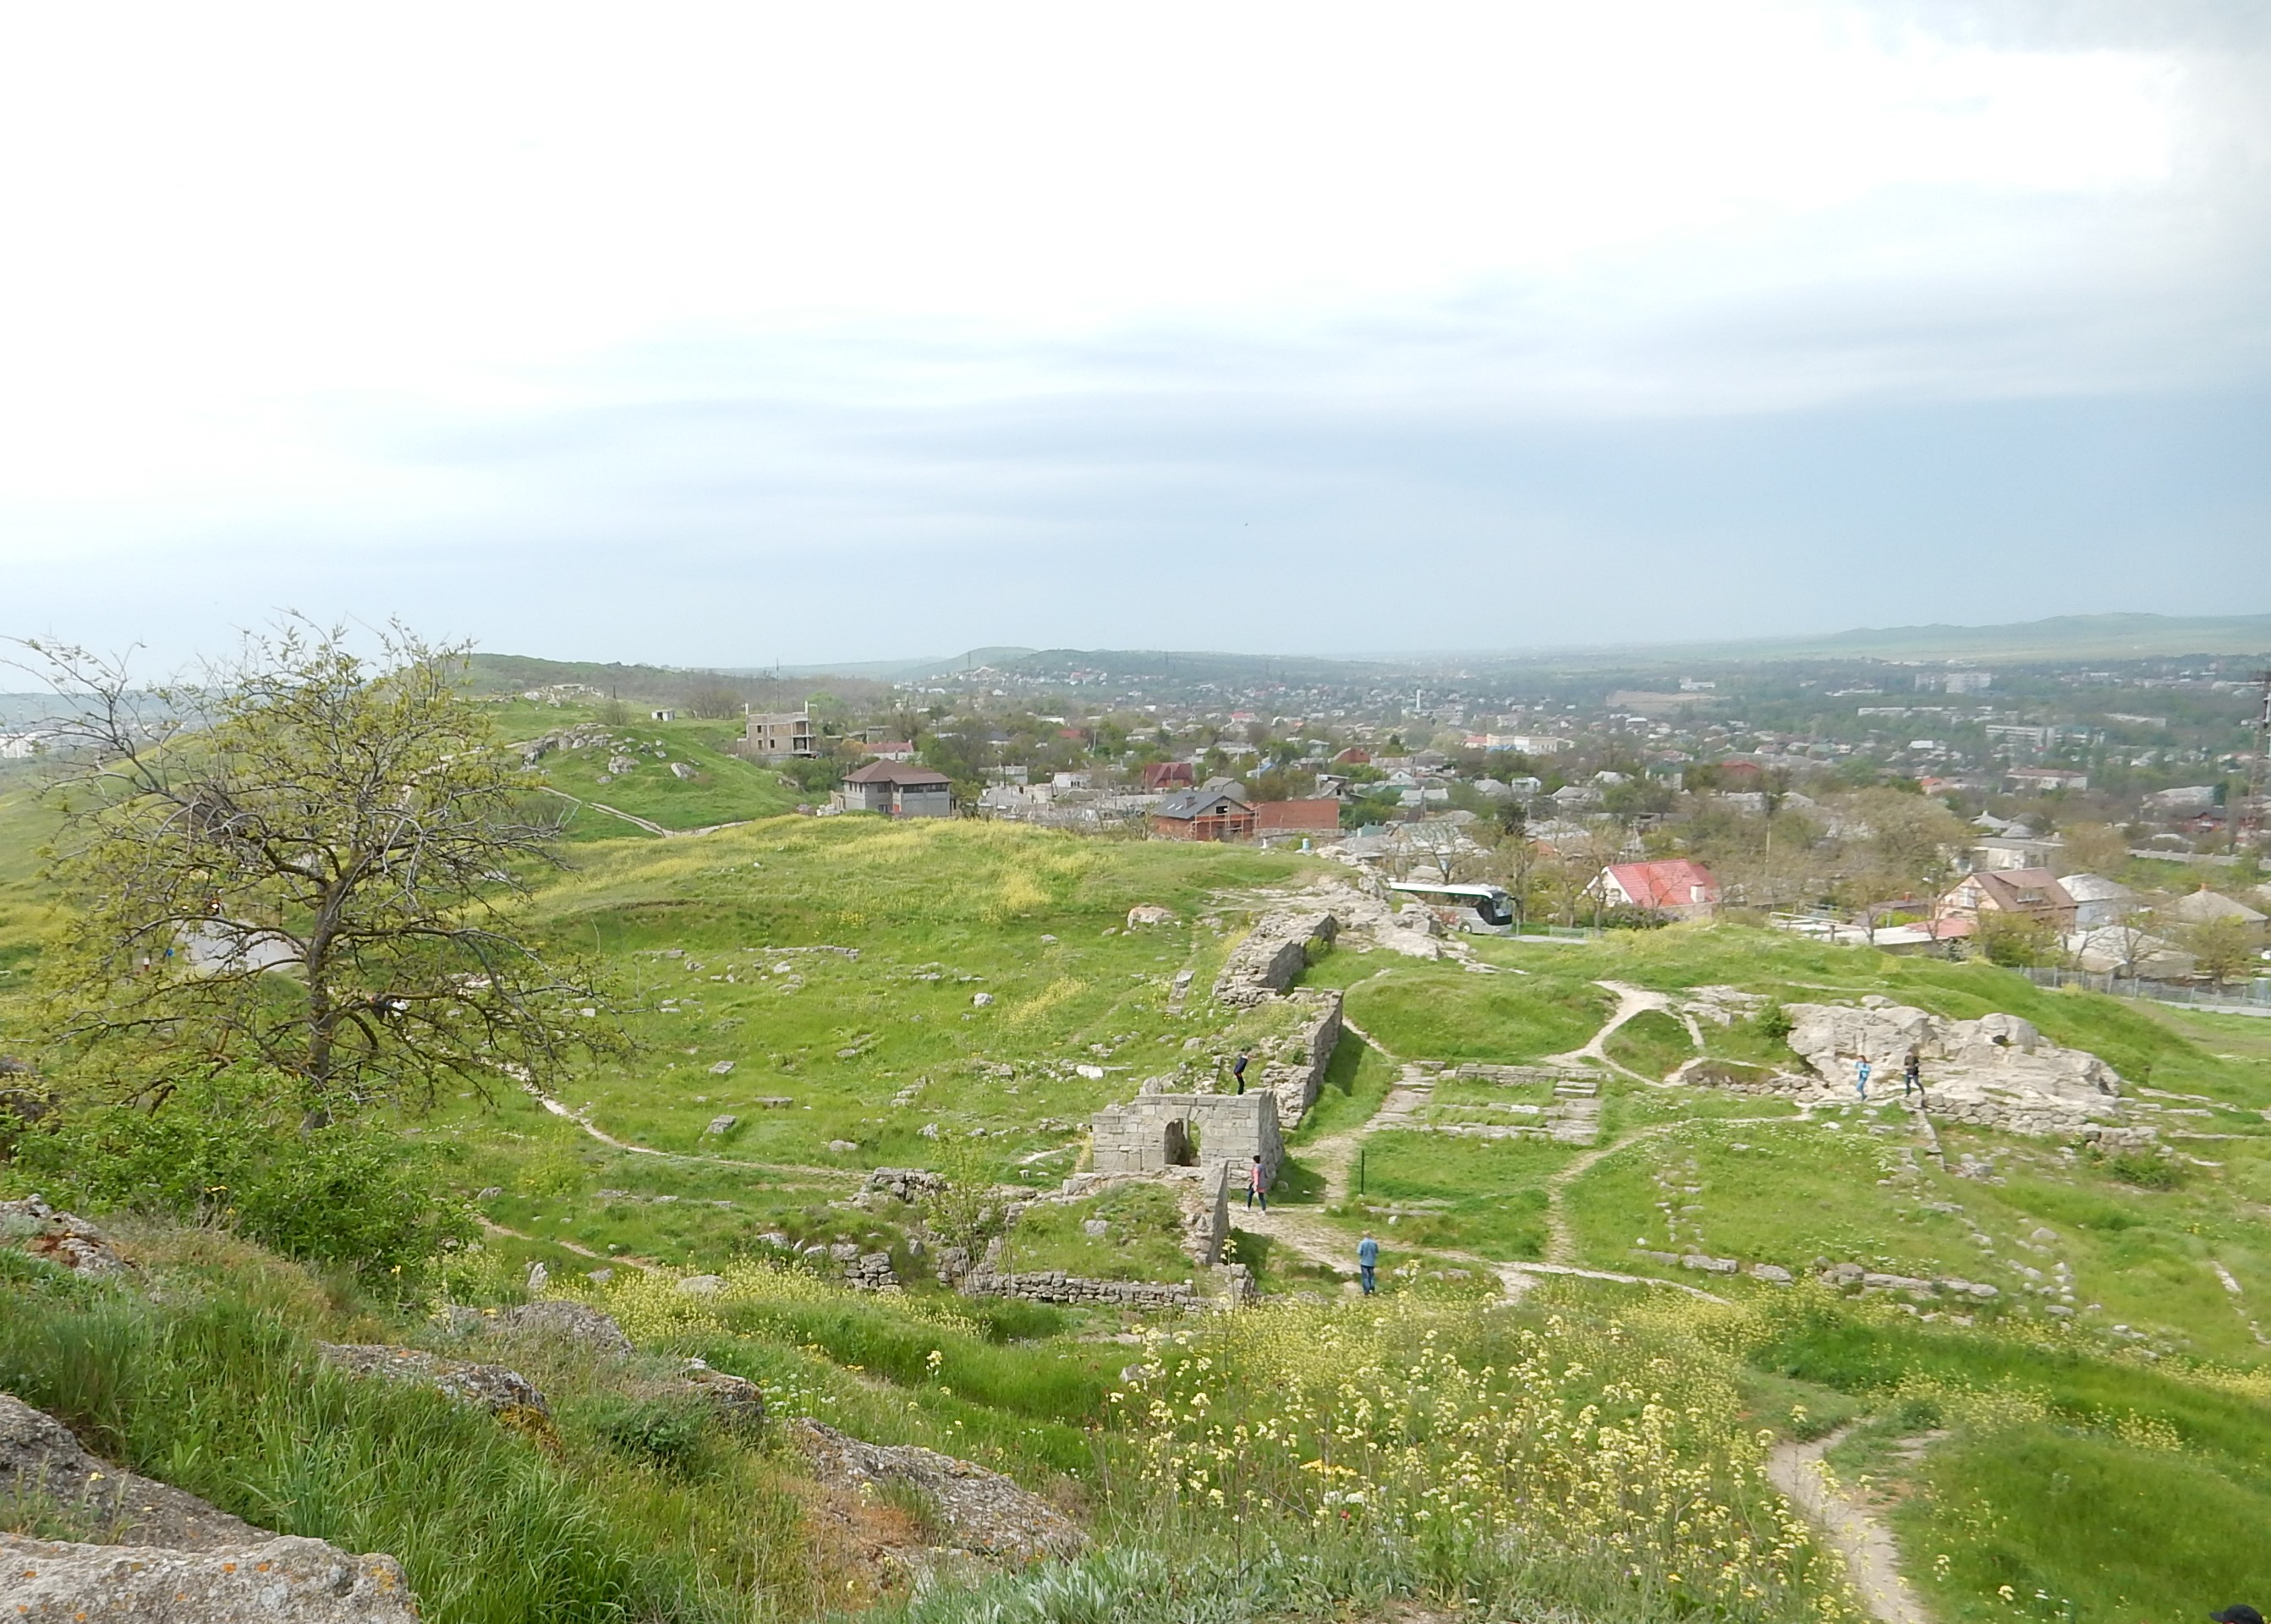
(2251, 816)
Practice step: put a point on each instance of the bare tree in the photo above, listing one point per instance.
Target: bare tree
(304, 859)
(714, 702)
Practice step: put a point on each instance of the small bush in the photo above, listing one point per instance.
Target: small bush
(2145, 1171)
(1775, 1024)
(661, 1432)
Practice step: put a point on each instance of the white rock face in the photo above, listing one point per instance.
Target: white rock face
(1998, 1069)
(283, 1580)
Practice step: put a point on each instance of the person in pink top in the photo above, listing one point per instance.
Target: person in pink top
(1256, 1189)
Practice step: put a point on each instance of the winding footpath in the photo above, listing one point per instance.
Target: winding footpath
(1854, 1531)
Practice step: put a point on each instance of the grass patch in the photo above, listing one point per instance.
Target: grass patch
(1143, 1240)
(1652, 1043)
(1483, 1196)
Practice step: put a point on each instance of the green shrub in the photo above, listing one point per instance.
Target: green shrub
(663, 1431)
(2146, 1171)
(222, 1150)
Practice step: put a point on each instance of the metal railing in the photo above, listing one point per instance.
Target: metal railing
(2250, 995)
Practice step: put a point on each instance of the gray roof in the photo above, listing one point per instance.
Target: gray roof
(1206, 798)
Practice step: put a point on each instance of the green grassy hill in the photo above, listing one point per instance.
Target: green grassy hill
(857, 994)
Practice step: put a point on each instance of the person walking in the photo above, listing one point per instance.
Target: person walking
(1238, 1071)
(1367, 1260)
(1912, 1076)
(2239, 1613)
(1861, 1078)
(1256, 1189)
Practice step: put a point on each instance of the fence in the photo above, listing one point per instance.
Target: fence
(2253, 997)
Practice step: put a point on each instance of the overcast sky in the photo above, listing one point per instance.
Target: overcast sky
(736, 334)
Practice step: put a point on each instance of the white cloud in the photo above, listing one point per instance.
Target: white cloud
(360, 277)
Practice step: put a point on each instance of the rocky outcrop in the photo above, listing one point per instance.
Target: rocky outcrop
(32, 1226)
(278, 1581)
(735, 1400)
(982, 1512)
(502, 1392)
(40, 1458)
(1997, 1071)
(162, 1554)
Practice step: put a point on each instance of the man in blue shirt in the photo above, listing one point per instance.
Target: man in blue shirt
(1367, 1259)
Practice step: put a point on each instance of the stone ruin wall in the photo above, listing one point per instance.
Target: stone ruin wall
(1152, 1133)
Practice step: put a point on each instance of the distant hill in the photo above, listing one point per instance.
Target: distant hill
(2064, 637)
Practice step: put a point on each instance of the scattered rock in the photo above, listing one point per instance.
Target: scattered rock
(982, 1512)
(981, 999)
(500, 1391)
(32, 1226)
(39, 1456)
(489, 1192)
(1149, 913)
(722, 1123)
(723, 1068)
(701, 1284)
(679, 770)
(1772, 1273)
(842, 1147)
(291, 1581)
(738, 1401)
(1095, 1229)
(567, 1322)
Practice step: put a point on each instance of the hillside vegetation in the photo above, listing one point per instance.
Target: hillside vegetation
(856, 994)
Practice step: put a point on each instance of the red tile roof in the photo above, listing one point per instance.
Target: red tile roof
(1671, 883)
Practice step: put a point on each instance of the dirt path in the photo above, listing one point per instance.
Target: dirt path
(644, 1264)
(624, 1145)
(648, 824)
(1853, 1530)
(1630, 1002)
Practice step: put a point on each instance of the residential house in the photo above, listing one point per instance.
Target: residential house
(889, 749)
(1168, 775)
(1354, 757)
(1216, 810)
(2097, 900)
(2010, 852)
(2020, 893)
(897, 789)
(2037, 780)
(1673, 888)
(780, 736)
(2205, 907)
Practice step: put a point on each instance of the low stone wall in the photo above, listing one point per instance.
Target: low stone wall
(1055, 1286)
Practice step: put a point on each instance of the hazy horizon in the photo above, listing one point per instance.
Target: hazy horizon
(719, 336)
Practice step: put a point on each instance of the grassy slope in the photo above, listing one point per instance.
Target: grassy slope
(956, 901)
(724, 789)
